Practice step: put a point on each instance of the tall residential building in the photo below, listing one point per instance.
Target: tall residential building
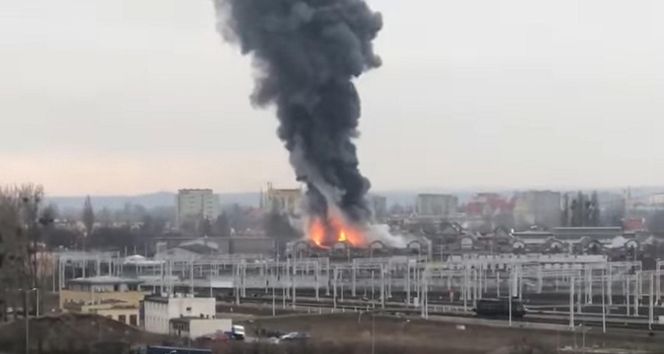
(281, 201)
(195, 204)
(656, 200)
(378, 205)
(436, 204)
(542, 208)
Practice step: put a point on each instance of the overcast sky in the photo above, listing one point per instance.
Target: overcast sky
(131, 96)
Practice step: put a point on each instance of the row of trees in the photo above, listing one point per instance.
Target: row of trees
(134, 226)
(22, 224)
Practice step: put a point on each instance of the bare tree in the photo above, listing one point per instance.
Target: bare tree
(20, 238)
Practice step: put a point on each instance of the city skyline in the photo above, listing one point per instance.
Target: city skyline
(119, 97)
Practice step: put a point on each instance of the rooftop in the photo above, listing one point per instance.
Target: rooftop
(588, 228)
(105, 279)
(156, 298)
(142, 261)
(165, 299)
(188, 319)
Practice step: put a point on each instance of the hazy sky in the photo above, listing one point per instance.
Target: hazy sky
(130, 96)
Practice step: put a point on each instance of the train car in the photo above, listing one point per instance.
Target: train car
(499, 308)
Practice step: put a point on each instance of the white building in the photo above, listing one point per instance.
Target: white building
(282, 201)
(195, 327)
(195, 204)
(441, 205)
(656, 199)
(160, 310)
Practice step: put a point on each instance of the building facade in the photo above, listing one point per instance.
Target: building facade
(378, 205)
(159, 310)
(438, 205)
(210, 246)
(116, 298)
(656, 200)
(194, 205)
(542, 208)
(195, 327)
(281, 201)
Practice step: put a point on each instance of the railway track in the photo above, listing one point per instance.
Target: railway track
(327, 305)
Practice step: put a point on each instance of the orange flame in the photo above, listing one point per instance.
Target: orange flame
(342, 236)
(325, 234)
(317, 233)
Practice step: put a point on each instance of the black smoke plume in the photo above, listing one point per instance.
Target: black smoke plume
(307, 53)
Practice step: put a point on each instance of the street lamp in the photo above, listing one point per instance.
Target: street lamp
(26, 314)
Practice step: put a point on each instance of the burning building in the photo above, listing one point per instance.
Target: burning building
(307, 54)
(324, 233)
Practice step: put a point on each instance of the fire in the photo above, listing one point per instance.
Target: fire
(325, 233)
(342, 236)
(317, 232)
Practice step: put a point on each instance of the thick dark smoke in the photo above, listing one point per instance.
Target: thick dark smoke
(307, 53)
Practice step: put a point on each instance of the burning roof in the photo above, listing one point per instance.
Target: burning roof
(325, 233)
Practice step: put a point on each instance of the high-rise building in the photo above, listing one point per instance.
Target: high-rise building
(541, 208)
(194, 205)
(281, 201)
(378, 205)
(656, 200)
(441, 205)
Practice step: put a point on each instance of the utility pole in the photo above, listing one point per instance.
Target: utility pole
(191, 276)
(510, 300)
(334, 297)
(37, 303)
(26, 313)
(637, 292)
(373, 332)
(603, 302)
(274, 299)
(236, 276)
(571, 302)
(583, 337)
(317, 270)
(382, 286)
(650, 302)
(373, 296)
(628, 285)
(293, 280)
(408, 283)
(465, 288)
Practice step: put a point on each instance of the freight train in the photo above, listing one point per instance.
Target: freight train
(499, 308)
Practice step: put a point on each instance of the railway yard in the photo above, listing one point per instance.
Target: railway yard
(569, 300)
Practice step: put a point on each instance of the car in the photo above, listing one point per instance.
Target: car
(292, 337)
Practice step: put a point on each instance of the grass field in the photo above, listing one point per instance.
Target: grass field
(347, 333)
(355, 333)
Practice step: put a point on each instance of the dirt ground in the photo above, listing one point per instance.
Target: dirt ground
(354, 333)
(73, 334)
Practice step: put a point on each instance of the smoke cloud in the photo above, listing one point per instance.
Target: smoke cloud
(307, 53)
